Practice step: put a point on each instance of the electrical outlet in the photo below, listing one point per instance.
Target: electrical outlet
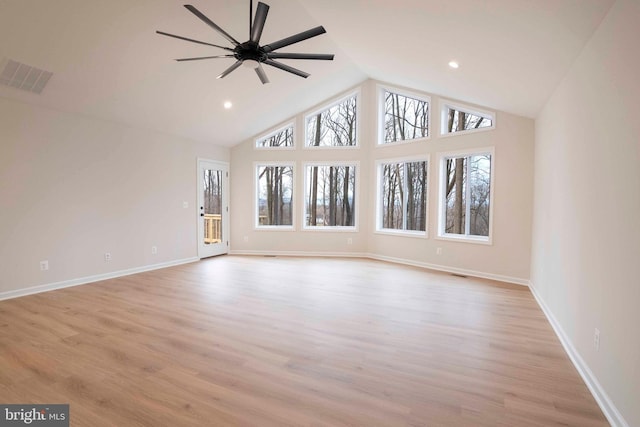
(107, 256)
(349, 241)
(596, 339)
(154, 250)
(44, 265)
(246, 238)
(438, 251)
(185, 205)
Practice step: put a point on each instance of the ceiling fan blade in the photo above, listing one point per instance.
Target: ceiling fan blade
(294, 39)
(261, 74)
(318, 56)
(286, 68)
(258, 23)
(210, 23)
(204, 57)
(229, 70)
(192, 40)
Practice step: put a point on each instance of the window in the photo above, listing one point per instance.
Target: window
(334, 126)
(282, 138)
(274, 195)
(404, 117)
(456, 118)
(402, 196)
(330, 196)
(466, 196)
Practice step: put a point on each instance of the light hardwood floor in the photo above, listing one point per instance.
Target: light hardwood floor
(262, 341)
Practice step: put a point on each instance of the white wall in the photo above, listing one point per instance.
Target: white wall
(507, 258)
(73, 188)
(586, 238)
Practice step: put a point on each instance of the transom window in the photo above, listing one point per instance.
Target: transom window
(402, 196)
(466, 194)
(333, 126)
(457, 118)
(404, 117)
(282, 138)
(330, 192)
(274, 185)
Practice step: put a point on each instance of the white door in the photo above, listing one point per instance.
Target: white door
(213, 208)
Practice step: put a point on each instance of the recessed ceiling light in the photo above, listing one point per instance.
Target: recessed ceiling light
(227, 105)
(454, 64)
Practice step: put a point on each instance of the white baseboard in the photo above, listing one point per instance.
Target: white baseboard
(501, 278)
(454, 270)
(90, 279)
(610, 411)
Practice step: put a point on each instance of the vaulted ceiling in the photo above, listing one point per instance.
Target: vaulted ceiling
(108, 63)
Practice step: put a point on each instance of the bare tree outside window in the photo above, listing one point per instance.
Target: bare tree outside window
(404, 196)
(331, 189)
(213, 191)
(480, 189)
(468, 194)
(405, 118)
(460, 121)
(280, 139)
(333, 127)
(275, 195)
(330, 196)
(212, 209)
(468, 182)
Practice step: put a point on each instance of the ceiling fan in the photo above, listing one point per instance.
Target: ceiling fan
(250, 53)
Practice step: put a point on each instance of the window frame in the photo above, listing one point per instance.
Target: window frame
(356, 202)
(379, 203)
(290, 124)
(256, 196)
(445, 105)
(328, 105)
(381, 89)
(441, 234)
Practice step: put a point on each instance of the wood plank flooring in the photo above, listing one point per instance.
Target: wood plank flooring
(254, 341)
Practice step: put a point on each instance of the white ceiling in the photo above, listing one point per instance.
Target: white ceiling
(108, 62)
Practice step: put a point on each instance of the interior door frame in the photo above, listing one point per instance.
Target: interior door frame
(206, 251)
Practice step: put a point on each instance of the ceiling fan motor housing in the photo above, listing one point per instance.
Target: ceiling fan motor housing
(249, 51)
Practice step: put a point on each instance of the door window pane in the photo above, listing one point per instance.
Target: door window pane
(212, 214)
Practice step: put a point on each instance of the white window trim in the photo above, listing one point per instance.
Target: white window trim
(256, 197)
(291, 124)
(378, 223)
(444, 117)
(441, 235)
(381, 89)
(356, 198)
(327, 105)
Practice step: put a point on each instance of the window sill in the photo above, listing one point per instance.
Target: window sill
(275, 228)
(479, 240)
(402, 233)
(403, 142)
(329, 228)
(290, 148)
(332, 147)
(466, 132)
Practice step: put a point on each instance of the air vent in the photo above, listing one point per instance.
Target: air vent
(22, 76)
